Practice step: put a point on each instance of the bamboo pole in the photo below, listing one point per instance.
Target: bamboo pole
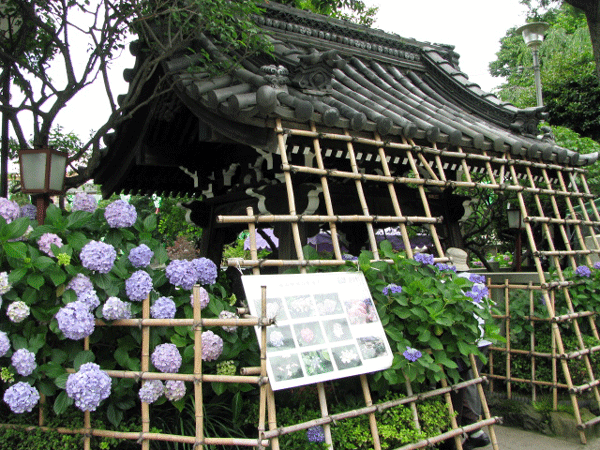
(484, 405)
(198, 395)
(508, 345)
(145, 366)
(87, 422)
(262, 405)
(372, 419)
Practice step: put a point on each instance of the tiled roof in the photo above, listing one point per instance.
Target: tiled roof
(341, 76)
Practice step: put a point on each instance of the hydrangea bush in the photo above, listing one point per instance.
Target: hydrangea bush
(429, 313)
(71, 278)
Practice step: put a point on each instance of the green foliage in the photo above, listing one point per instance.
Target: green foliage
(352, 10)
(432, 314)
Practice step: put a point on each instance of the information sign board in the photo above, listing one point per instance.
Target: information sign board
(326, 327)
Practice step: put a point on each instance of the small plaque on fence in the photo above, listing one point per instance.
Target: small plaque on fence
(326, 327)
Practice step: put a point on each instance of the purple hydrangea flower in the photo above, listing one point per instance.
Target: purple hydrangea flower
(116, 309)
(151, 391)
(412, 354)
(478, 292)
(212, 346)
(392, 289)
(349, 257)
(204, 298)
(88, 386)
(120, 214)
(5, 285)
(17, 311)
(4, 343)
(84, 202)
(182, 273)
(207, 270)
(596, 265)
(90, 298)
(46, 240)
(174, 390)
(166, 358)
(163, 308)
(98, 256)
(75, 320)
(9, 210)
(474, 278)
(424, 258)
(29, 210)
(24, 362)
(315, 434)
(80, 284)
(583, 271)
(138, 286)
(228, 315)
(442, 267)
(140, 256)
(21, 397)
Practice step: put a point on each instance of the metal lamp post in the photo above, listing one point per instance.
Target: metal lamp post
(533, 34)
(42, 174)
(515, 222)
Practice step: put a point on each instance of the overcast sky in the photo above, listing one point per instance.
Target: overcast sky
(474, 27)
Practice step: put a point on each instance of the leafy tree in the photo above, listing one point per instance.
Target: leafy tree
(591, 10)
(41, 62)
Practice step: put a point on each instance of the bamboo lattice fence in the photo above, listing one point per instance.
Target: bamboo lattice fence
(360, 163)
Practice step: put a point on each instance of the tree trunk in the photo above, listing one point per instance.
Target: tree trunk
(591, 9)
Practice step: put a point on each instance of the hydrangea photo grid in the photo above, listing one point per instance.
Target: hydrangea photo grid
(326, 327)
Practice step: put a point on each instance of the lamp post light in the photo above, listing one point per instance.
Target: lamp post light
(42, 174)
(533, 35)
(515, 222)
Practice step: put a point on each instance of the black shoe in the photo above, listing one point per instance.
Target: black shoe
(476, 442)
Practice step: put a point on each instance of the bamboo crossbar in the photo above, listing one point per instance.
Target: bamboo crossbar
(568, 317)
(528, 381)
(379, 407)
(184, 377)
(590, 423)
(561, 221)
(255, 321)
(585, 387)
(516, 351)
(325, 218)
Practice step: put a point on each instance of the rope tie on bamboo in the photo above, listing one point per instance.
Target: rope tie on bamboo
(237, 264)
(262, 380)
(416, 148)
(386, 143)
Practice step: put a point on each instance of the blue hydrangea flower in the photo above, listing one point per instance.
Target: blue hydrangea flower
(443, 267)
(349, 257)
(392, 289)
(478, 292)
(424, 258)
(596, 265)
(163, 308)
(80, 284)
(21, 397)
(46, 240)
(583, 271)
(182, 273)
(140, 256)
(17, 311)
(138, 286)
(98, 256)
(24, 362)
(4, 343)
(120, 214)
(174, 390)
(207, 270)
(228, 315)
(151, 391)
(90, 298)
(166, 358)
(88, 386)
(9, 210)
(116, 309)
(474, 278)
(212, 346)
(204, 298)
(412, 354)
(75, 320)
(5, 285)
(84, 202)
(315, 434)
(29, 210)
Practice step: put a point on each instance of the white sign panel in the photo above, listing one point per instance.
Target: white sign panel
(326, 327)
